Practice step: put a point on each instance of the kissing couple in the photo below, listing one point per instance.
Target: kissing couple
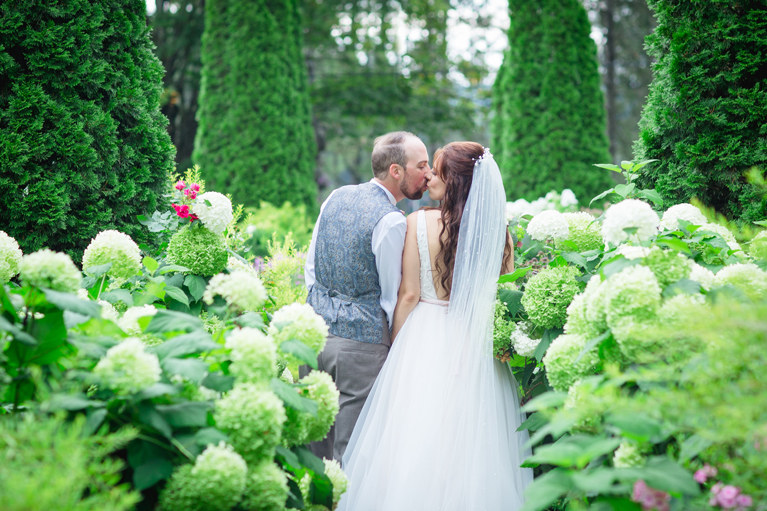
(428, 416)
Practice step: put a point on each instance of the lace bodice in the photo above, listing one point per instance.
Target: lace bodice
(427, 280)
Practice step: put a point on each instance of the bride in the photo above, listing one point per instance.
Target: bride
(438, 430)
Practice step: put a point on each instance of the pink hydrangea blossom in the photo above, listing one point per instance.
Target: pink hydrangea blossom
(729, 497)
(650, 498)
(180, 185)
(701, 475)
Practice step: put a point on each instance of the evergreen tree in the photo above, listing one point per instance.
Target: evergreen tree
(83, 146)
(255, 138)
(550, 117)
(705, 113)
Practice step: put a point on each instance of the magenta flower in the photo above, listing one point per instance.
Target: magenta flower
(701, 475)
(729, 497)
(181, 210)
(745, 501)
(650, 498)
(180, 185)
(190, 193)
(194, 187)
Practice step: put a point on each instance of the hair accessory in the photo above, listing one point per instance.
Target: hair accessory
(486, 152)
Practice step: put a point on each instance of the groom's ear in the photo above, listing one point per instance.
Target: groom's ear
(395, 170)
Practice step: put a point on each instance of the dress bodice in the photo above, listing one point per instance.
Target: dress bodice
(428, 293)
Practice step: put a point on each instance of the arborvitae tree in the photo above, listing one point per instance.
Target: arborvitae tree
(705, 113)
(255, 138)
(83, 146)
(550, 124)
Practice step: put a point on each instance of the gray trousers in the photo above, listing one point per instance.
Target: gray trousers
(354, 366)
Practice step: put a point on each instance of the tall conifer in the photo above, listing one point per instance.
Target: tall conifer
(83, 146)
(549, 128)
(706, 109)
(255, 138)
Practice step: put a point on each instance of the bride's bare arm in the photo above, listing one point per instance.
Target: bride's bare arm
(410, 287)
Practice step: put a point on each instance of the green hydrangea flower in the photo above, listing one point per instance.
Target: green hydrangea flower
(702, 276)
(266, 488)
(52, 270)
(584, 232)
(548, 294)
(253, 355)
(127, 368)
(241, 289)
(577, 321)
(745, 277)
(634, 291)
(253, 418)
(198, 249)
(564, 363)
(668, 266)
(129, 320)
(585, 405)
(595, 295)
(10, 257)
(299, 321)
(337, 478)
(502, 329)
(757, 247)
(301, 427)
(215, 482)
(116, 248)
(628, 454)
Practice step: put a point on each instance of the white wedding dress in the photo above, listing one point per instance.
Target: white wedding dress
(438, 430)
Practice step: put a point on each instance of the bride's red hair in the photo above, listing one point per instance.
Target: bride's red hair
(454, 163)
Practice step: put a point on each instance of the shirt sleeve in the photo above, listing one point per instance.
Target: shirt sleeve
(309, 277)
(388, 243)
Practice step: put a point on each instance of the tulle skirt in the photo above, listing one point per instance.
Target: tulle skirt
(438, 430)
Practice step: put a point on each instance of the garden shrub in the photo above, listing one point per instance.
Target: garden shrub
(705, 110)
(84, 145)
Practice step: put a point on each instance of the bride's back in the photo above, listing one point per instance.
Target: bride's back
(433, 230)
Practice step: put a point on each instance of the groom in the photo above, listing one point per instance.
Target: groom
(353, 271)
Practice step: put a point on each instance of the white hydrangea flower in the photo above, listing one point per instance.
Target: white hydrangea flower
(299, 321)
(108, 311)
(113, 247)
(53, 270)
(127, 368)
(632, 252)
(628, 454)
(10, 257)
(241, 289)
(220, 464)
(538, 205)
(550, 224)
(628, 214)
(254, 355)
(287, 376)
(747, 277)
(724, 232)
(235, 264)
(702, 276)
(217, 216)
(129, 320)
(568, 198)
(683, 211)
(522, 342)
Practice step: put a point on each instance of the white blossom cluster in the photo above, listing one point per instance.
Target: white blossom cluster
(253, 355)
(129, 320)
(52, 270)
(629, 214)
(216, 216)
(127, 368)
(116, 248)
(242, 289)
(522, 342)
(10, 257)
(548, 225)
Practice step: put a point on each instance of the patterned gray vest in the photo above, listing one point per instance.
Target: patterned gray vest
(347, 291)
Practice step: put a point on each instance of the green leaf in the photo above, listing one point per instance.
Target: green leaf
(651, 195)
(592, 343)
(693, 446)
(192, 343)
(193, 369)
(149, 462)
(624, 189)
(575, 258)
(173, 321)
(662, 473)
(642, 163)
(309, 460)
(547, 489)
(602, 196)
(636, 426)
(250, 319)
(196, 286)
(7, 305)
(599, 480)
(533, 422)
(97, 271)
(192, 414)
(70, 302)
(149, 415)
(301, 351)
(575, 451)
(609, 166)
(513, 300)
(173, 267)
(150, 264)
(516, 274)
(17, 333)
(548, 337)
(551, 399)
(682, 286)
(118, 295)
(72, 402)
(290, 396)
(208, 436)
(218, 382)
(95, 417)
(675, 244)
(177, 294)
(288, 458)
(156, 390)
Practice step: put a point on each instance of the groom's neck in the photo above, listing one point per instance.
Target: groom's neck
(393, 186)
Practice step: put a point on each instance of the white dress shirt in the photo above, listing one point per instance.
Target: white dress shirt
(387, 244)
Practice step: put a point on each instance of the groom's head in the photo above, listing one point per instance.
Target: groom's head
(401, 162)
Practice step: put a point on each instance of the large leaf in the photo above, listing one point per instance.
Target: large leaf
(173, 321)
(118, 295)
(663, 473)
(693, 446)
(196, 286)
(150, 264)
(194, 369)
(575, 258)
(598, 480)
(551, 399)
(516, 274)
(309, 460)
(149, 462)
(534, 422)
(290, 396)
(72, 402)
(70, 302)
(156, 390)
(218, 382)
(192, 343)
(186, 415)
(149, 415)
(547, 489)
(575, 451)
(17, 333)
(301, 351)
(177, 294)
(513, 300)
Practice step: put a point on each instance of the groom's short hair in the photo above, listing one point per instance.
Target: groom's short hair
(388, 149)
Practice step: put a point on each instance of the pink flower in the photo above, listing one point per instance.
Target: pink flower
(195, 187)
(180, 185)
(190, 193)
(728, 496)
(650, 498)
(193, 217)
(745, 500)
(181, 210)
(701, 475)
